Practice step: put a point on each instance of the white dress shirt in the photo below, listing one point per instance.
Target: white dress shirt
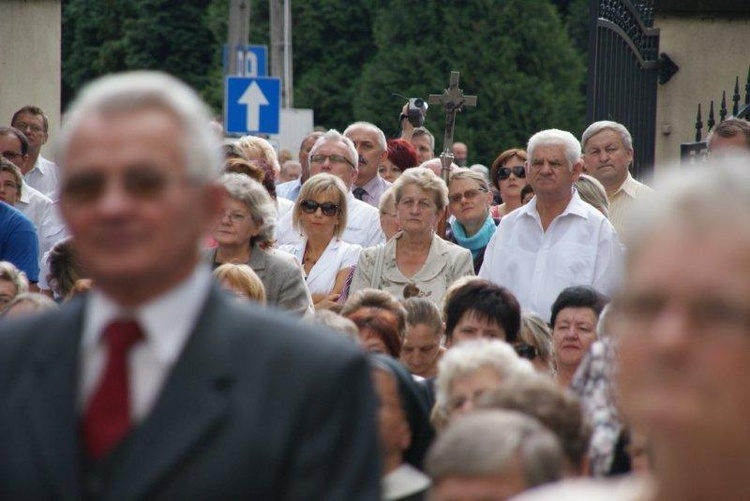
(44, 213)
(166, 321)
(336, 256)
(44, 177)
(580, 247)
(362, 226)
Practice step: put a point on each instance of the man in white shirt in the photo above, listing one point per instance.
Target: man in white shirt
(157, 385)
(607, 154)
(336, 154)
(373, 150)
(556, 240)
(39, 172)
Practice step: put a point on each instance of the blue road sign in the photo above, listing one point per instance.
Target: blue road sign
(252, 60)
(252, 105)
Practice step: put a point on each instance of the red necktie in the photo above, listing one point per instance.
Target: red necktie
(107, 417)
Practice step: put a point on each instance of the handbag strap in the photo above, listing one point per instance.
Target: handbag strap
(378, 270)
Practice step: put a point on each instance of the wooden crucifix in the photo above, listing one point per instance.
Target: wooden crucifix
(453, 101)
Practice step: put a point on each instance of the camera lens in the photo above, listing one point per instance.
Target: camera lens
(418, 102)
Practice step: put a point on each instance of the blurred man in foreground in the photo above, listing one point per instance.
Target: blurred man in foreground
(156, 385)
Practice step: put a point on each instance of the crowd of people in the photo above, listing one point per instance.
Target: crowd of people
(186, 321)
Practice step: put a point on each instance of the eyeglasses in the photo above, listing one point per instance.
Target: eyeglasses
(32, 127)
(235, 217)
(142, 184)
(11, 155)
(504, 172)
(468, 195)
(329, 209)
(335, 159)
(526, 351)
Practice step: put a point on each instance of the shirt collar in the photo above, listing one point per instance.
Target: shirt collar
(629, 187)
(166, 321)
(575, 207)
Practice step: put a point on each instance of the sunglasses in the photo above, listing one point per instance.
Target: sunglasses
(526, 351)
(504, 172)
(329, 209)
(142, 184)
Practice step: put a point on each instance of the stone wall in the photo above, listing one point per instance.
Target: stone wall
(30, 38)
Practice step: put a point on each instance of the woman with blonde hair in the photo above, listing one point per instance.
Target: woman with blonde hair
(320, 215)
(242, 281)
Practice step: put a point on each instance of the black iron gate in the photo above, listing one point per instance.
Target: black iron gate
(623, 72)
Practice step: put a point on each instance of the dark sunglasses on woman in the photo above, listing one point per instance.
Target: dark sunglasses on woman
(504, 172)
(327, 208)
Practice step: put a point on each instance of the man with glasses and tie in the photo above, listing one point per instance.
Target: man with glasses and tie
(39, 172)
(157, 385)
(556, 240)
(336, 154)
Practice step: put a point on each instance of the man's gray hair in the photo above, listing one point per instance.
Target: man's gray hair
(334, 136)
(423, 131)
(127, 93)
(486, 442)
(597, 127)
(468, 357)
(257, 200)
(369, 127)
(556, 137)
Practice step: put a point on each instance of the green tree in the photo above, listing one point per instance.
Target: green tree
(101, 37)
(332, 40)
(514, 54)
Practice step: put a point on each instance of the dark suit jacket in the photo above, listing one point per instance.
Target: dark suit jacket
(257, 406)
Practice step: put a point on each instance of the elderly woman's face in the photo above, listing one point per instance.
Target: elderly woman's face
(236, 226)
(468, 202)
(466, 389)
(417, 212)
(420, 350)
(511, 178)
(572, 335)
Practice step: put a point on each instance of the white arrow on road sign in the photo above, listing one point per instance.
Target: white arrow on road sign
(253, 98)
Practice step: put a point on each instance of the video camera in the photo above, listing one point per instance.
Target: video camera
(416, 111)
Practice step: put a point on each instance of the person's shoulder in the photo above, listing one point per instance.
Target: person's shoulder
(13, 218)
(271, 335)
(628, 488)
(46, 166)
(362, 209)
(39, 339)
